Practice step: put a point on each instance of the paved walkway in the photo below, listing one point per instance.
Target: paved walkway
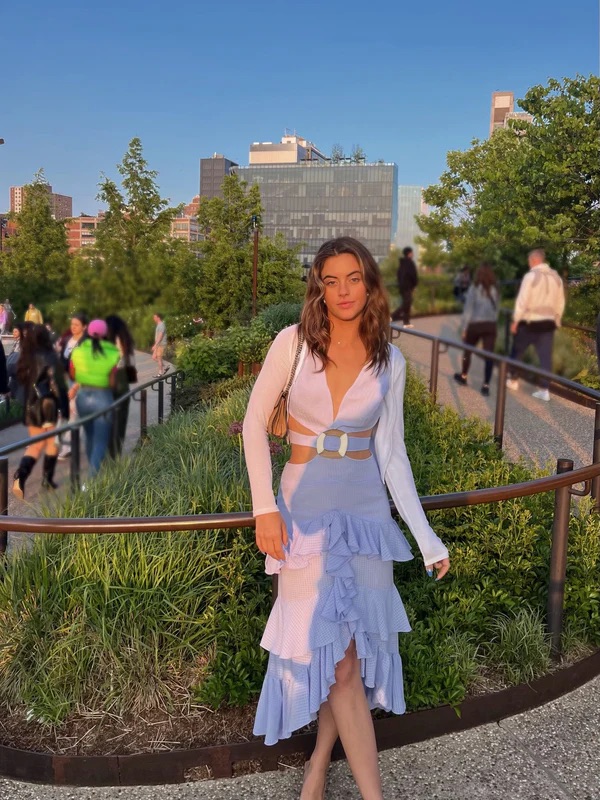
(550, 753)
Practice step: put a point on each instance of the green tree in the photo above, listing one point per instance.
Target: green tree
(532, 184)
(35, 262)
(224, 269)
(337, 153)
(358, 155)
(132, 264)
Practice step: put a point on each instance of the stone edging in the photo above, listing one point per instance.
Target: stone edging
(175, 766)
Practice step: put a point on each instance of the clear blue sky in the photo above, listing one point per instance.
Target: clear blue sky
(406, 81)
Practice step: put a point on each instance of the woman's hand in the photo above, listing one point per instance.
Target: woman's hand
(271, 535)
(442, 567)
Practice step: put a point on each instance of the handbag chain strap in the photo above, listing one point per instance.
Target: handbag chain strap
(296, 359)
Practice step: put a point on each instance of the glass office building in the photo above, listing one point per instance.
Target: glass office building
(410, 204)
(312, 202)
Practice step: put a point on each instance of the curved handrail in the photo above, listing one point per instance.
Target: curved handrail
(243, 519)
(41, 437)
(517, 366)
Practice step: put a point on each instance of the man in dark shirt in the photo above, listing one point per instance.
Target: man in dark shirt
(407, 283)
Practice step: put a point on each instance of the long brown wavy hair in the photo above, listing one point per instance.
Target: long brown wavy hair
(486, 278)
(375, 320)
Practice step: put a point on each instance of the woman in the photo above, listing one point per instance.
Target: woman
(66, 344)
(330, 535)
(93, 367)
(17, 392)
(119, 335)
(479, 321)
(41, 375)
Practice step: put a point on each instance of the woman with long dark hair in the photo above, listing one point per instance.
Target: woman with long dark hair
(70, 339)
(333, 631)
(480, 322)
(119, 334)
(41, 375)
(93, 368)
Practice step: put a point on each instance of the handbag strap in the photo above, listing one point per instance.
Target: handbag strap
(296, 359)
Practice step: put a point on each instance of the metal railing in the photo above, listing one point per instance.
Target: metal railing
(139, 394)
(440, 345)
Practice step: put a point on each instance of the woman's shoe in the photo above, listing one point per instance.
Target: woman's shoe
(21, 475)
(460, 379)
(485, 390)
(49, 467)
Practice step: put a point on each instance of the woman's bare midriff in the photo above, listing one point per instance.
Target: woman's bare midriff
(302, 454)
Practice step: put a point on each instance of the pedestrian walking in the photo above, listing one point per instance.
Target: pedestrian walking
(3, 320)
(480, 323)
(10, 315)
(160, 344)
(462, 281)
(118, 333)
(538, 313)
(93, 367)
(330, 536)
(407, 279)
(41, 375)
(67, 343)
(34, 315)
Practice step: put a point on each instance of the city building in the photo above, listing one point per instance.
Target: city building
(212, 172)
(503, 110)
(410, 203)
(61, 205)
(81, 231)
(186, 228)
(292, 149)
(309, 199)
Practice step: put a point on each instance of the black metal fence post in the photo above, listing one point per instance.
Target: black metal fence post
(3, 501)
(596, 458)
(558, 559)
(500, 404)
(75, 458)
(161, 401)
(173, 380)
(433, 372)
(143, 414)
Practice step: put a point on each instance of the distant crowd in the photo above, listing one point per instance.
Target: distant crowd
(58, 378)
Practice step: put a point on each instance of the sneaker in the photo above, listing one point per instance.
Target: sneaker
(65, 452)
(485, 390)
(512, 383)
(542, 394)
(460, 379)
(409, 325)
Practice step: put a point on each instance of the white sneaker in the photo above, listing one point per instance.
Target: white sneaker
(512, 383)
(409, 325)
(65, 452)
(542, 394)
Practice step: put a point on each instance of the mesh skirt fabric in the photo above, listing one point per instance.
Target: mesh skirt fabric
(335, 586)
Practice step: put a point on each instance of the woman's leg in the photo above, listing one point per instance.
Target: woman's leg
(315, 771)
(471, 338)
(27, 463)
(101, 435)
(350, 711)
(489, 342)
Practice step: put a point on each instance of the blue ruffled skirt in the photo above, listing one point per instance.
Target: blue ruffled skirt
(335, 585)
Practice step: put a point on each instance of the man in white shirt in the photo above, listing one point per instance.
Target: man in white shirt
(538, 312)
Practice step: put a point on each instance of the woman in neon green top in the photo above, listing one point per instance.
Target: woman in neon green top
(93, 367)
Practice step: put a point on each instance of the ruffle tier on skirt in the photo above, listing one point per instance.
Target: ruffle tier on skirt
(335, 585)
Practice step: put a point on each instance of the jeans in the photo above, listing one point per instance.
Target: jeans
(542, 342)
(97, 432)
(486, 331)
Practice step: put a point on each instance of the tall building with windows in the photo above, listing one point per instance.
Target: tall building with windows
(61, 205)
(212, 172)
(410, 203)
(503, 110)
(309, 199)
(81, 231)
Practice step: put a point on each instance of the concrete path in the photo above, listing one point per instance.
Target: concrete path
(35, 496)
(540, 432)
(550, 753)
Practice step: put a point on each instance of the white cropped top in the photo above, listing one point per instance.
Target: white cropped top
(372, 400)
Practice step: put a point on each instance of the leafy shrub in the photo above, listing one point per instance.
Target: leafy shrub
(279, 316)
(205, 360)
(519, 646)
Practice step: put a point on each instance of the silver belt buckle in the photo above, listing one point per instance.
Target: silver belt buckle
(342, 447)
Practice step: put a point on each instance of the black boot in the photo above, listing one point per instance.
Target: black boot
(49, 467)
(21, 475)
